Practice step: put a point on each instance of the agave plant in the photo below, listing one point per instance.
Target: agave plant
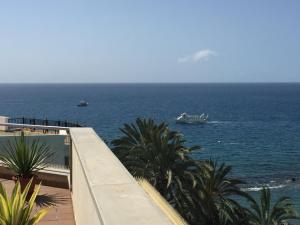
(15, 210)
(263, 213)
(24, 157)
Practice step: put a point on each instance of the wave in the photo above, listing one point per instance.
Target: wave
(229, 143)
(234, 143)
(255, 188)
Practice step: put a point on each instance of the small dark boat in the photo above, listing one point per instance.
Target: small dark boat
(82, 103)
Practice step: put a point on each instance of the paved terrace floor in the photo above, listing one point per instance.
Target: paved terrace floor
(61, 211)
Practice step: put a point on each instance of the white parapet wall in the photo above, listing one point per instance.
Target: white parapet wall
(103, 191)
(3, 119)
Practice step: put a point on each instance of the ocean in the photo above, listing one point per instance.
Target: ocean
(253, 127)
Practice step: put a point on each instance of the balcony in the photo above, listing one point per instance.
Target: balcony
(87, 184)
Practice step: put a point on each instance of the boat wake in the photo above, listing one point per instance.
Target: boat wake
(218, 122)
(214, 121)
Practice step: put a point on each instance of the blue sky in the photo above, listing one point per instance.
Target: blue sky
(150, 41)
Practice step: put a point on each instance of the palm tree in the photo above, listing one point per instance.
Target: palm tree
(262, 213)
(153, 152)
(214, 197)
(199, 190)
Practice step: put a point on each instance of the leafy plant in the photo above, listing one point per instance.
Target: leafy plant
(24, 157)
(15, 210)
(263, 213)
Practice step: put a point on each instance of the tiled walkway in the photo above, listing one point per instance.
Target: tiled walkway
(59, 200)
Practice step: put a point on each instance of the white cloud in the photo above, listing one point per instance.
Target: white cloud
(202, 55)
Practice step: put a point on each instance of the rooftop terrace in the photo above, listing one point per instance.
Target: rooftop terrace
(97, 189)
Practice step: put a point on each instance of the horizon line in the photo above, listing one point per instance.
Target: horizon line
(89, 83)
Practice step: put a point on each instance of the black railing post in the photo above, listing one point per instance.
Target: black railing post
(46, 121)
(34, 123)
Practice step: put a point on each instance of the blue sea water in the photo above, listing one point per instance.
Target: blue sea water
(253, 127)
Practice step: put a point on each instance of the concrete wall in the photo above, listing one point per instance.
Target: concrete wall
(3, 119)
(103, 191)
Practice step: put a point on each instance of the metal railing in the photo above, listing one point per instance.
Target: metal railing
(45, 122)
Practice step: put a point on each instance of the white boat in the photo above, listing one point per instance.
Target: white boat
(82, 103)
(185, 118)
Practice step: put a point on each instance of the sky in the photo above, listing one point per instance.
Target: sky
(61, 41)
